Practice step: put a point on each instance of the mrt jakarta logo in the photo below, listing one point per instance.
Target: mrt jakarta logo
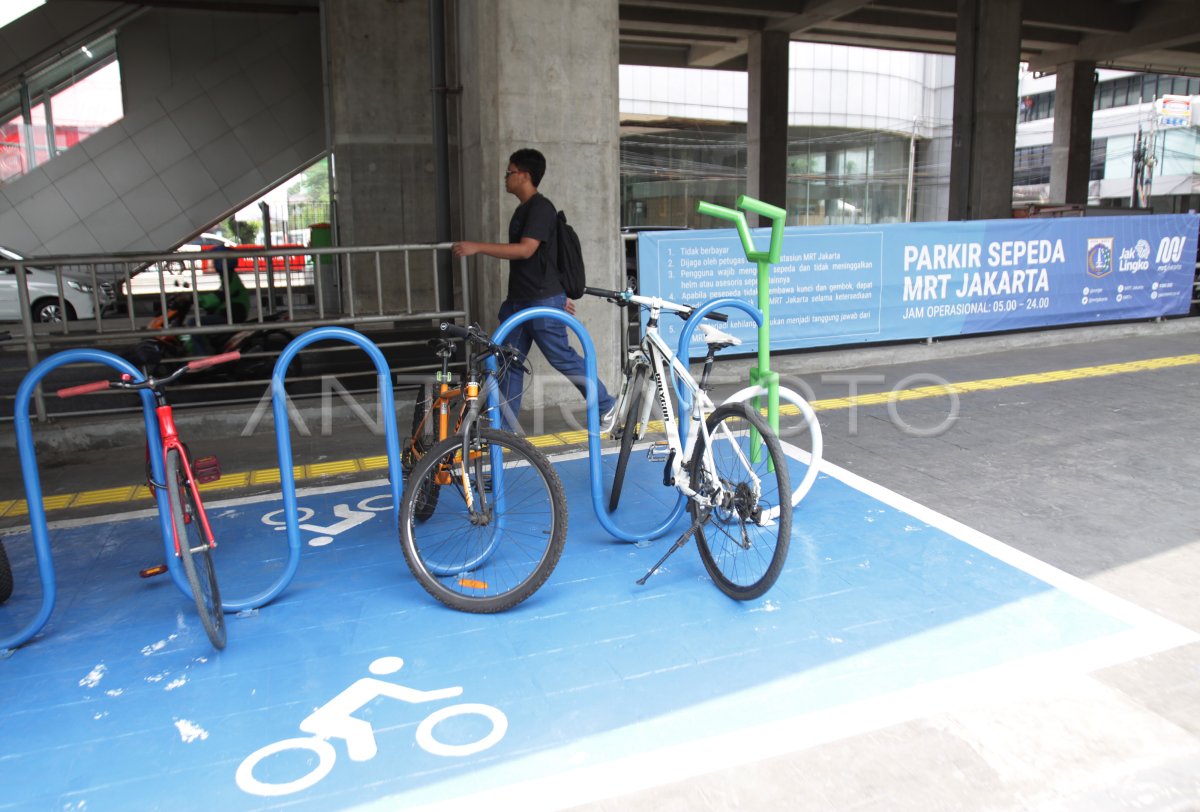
(1099, 256)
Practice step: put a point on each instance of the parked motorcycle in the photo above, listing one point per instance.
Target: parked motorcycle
(154, 354)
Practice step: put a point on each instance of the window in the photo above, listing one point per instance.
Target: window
(59, 106)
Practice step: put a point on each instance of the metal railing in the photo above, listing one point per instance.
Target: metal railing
(114, 299)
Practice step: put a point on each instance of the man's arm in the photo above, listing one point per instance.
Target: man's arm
(524, 249)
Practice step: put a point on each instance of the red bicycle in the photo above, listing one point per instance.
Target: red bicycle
(193, 534)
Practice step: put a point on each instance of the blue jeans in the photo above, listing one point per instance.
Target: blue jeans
(551, 337)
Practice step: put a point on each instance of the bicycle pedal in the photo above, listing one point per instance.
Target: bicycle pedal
(660, 451)
(150, 572)
(206, 469)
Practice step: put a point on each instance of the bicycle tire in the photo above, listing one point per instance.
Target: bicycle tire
(628, 435)
(743, 557)
(416, 448)
(419, 410)
(6, 576)
(194, 551)
(487, 564)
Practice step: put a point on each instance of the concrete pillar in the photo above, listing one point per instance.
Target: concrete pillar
(987, 59)
(382, 133)
(833, 188)
(543, 74)
(1071, 155)
(767, 126)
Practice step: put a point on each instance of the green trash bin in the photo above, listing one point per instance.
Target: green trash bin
(320, 235)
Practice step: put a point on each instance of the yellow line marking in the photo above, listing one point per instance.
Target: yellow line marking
(103, 496)
(270, 476)
(331, 468)
(226, 482)
(265, 476)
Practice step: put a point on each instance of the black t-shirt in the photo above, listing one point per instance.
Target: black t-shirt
(536, 277)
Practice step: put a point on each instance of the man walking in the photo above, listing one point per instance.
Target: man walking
(533, 281)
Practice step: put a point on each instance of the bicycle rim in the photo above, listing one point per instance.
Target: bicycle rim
(418, 444)
(194, 550)
(744, 542)
(629, 433)
(495, 554)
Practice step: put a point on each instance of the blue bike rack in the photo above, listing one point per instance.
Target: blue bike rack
(685, 340)
(33, 483)
(593, 418)
(283, 439)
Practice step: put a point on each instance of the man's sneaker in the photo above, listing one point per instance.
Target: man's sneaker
(608, 419)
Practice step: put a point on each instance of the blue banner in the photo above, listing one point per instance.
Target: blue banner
(858, 284)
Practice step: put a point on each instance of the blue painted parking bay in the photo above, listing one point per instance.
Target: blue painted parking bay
(355, 689)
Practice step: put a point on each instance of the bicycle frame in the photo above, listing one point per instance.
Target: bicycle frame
(439, 404)
(170, 440)
(474, 396)
(662, 362)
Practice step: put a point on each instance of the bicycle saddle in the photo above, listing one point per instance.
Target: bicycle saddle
(717, 339)
(442, 345)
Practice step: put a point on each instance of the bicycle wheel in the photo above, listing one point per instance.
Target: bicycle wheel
(188, 519)
(6, 578)
(498, 533)
(629, 433)
(414, 449)
(744, 541)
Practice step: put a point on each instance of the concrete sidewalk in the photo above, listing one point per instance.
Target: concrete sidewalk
(1082, 452)
(1095, 476)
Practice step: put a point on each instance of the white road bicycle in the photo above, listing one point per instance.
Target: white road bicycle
(731, 467)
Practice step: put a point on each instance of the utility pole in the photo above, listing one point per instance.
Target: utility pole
(912, 158)
(1148, 161)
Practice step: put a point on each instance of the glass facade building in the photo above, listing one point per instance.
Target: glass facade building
(869, 139)
(857, 117)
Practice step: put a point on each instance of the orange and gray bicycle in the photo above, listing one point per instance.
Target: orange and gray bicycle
(483, 518)
(194, 540)
(444, 401)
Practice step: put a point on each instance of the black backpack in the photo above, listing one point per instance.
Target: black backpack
(570, 259)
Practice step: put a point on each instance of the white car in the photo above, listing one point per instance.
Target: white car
(192, 267)
(180, 274)
(78, 296)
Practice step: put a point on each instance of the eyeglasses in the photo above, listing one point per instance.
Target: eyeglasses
(512, 172)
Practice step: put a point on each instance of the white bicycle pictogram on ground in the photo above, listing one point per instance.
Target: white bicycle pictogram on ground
(348, 518)
(335, 720)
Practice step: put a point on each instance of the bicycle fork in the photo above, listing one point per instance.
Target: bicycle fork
(472, 454)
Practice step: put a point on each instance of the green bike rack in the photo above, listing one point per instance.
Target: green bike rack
(760, 375)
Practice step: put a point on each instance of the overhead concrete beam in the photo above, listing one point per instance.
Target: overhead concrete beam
(1182, 28)
(816, 13)
(713, 56)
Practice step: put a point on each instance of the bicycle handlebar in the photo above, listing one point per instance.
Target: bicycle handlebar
(83, 389)
(628, 297)
(474, 333)
(457, 331)
(149, 383)
(212, 361)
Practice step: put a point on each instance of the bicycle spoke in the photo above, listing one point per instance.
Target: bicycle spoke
(194, 547)
(743, 556)
(493, 540)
